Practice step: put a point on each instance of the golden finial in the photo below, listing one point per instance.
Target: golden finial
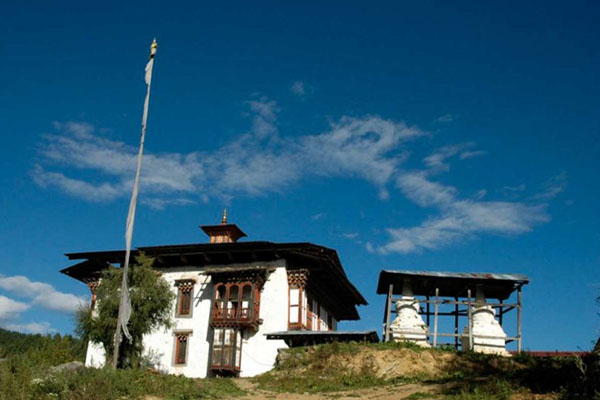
(224, 219)
(153, 47)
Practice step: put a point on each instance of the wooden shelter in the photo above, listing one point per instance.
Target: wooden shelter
(456, 293)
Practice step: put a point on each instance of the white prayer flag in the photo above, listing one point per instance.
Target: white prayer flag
(125, 303)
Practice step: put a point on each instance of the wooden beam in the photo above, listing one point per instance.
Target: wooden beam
(456, 323)
(435, 317)
(500, 313)
(388, 314)
(470, 313)
(519, 307)
(427, 313)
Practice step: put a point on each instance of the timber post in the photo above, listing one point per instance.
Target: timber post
(519, 306)
(388, 313)
(470, 325)
(435, 316)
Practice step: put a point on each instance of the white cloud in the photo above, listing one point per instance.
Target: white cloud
(254, 164)
(445, 118)
(32, 327)
(553, 187)
(470, 154)
(10, 309)
(262, 161)
(459, 219)
(41, 294)
(264, 122)
(437, 160)
(318, 216)
(298, 88)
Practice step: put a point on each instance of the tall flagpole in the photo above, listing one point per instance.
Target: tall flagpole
(125, 302)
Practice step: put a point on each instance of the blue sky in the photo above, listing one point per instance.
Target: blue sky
(406, 135)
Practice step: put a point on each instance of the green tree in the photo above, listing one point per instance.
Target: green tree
(151, 306)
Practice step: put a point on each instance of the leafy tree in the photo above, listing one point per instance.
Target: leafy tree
(151, 302)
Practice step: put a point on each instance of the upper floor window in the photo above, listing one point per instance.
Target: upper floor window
(185, 294)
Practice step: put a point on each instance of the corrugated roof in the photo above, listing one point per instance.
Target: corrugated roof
(451, 284)
(303, 338)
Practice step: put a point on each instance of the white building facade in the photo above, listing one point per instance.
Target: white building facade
(229, 296)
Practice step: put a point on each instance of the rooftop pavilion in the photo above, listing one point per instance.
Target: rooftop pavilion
(451, 294)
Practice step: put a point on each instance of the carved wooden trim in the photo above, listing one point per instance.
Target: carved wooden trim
(298, 277)
(185, 285)
(93, 285)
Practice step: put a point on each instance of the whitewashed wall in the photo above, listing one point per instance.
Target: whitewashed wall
(258, 353)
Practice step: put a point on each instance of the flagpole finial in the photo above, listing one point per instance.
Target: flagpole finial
(224, 219)
(153, 48)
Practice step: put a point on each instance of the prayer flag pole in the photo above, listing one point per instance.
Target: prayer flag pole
(125, 302)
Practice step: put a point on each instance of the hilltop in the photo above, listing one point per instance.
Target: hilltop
(337, 370)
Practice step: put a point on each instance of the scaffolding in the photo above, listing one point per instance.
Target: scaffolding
(456, 292)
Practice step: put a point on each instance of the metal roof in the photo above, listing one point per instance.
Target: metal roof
(451, 284)
(303, 338)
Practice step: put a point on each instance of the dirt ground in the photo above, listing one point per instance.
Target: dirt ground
(379, 393)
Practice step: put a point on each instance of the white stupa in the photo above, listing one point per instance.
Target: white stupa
(408, 324)
(485, 324)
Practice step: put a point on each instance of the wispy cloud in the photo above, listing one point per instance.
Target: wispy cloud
(298, 88)
(470, 154)
(41, 294)
(264, 121)
(262, 161)
(31, 327)
(458, 219)
(256, 163)
(445, 118)
(318, 216)
(553, 187)
(437, 160)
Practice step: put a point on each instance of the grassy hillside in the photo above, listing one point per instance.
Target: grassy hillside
(24, 375)
(455, 376)
(338, 370)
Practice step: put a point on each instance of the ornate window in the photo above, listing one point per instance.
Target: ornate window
(227, 350)
(181, 346)
(236, 305)
(297, 318)
(93, 285)
(185, 296)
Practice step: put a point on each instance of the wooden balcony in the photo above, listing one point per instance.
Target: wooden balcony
(231, 316)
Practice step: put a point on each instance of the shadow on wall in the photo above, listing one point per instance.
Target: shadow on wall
(206, 293)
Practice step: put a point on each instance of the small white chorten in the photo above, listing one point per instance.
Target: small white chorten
(408, 324)
(485, 324)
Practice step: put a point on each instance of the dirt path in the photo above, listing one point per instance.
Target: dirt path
(391, 392)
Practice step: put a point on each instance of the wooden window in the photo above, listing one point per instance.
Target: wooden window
(297, 308)
(181, 344)
(185, 296)
(247, 306)
(315, 316)
(233, 301)
(323, 319)
(227, 349)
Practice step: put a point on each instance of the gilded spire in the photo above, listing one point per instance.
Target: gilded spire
(153, 48)
(224, 219)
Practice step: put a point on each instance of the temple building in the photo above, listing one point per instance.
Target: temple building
(237, 303)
